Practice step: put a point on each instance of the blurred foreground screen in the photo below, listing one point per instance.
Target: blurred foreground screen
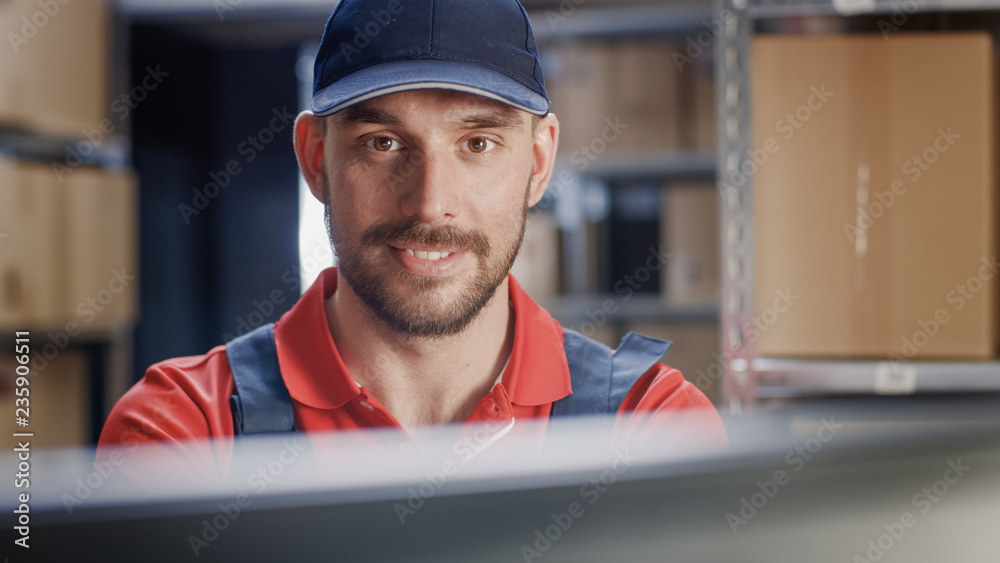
(910, 480)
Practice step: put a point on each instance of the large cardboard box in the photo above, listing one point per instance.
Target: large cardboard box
(59, 399)
(101, 263)
(613, 98)
(689, 229)
(31, 247)
(67, 250)
(875, 196)
(54, 66)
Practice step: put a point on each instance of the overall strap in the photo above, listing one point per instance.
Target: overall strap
(261, 404)
(601, 378)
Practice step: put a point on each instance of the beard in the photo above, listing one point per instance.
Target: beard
(439, 307)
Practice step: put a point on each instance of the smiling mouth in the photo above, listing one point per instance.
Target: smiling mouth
(431, 256)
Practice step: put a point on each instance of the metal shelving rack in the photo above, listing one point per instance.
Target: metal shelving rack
(677, 20)
(747, 378)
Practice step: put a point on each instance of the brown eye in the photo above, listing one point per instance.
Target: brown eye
(479, 145)
(383, 144)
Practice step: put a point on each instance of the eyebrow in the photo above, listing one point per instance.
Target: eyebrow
(501, 118)
(506, 118)
(355, 115)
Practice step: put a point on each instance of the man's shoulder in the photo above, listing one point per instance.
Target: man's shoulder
(177, 399)
(204, 361)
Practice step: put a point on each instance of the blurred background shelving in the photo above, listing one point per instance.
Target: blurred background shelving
(959, 358)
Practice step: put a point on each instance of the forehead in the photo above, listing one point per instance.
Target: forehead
(443, 106)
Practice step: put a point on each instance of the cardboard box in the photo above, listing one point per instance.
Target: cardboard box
(697, 113)
(693, 353)
(576, 80)
(54, 71)
(537, 265)
(645, 89)
(689, 230)
(59, 400)
(101, 252)
(875, 211)
(31, 247)
(613, 98)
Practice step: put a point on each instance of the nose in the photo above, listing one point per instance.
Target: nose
(431, 193)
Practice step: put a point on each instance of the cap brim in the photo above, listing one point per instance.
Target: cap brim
(401, 76)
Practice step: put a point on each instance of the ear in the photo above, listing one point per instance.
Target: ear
(309, 149)
(546, 143)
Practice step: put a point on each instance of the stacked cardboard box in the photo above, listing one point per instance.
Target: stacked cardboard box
(614, 98)
(537, 266)
(54, 71)
(32, 252)
(60, 407)
(689, 230)
(876, 196)
(67, 253)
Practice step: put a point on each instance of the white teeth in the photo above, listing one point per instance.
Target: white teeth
(425, 255)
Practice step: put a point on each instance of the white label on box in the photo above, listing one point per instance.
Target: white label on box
(849, 7)
(892, 378)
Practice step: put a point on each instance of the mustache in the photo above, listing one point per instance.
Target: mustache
(421, 233)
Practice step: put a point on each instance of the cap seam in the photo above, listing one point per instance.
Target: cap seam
(529, 35)
(430, 38)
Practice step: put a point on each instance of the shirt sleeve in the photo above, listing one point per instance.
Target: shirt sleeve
(169, 415)
(665, 406)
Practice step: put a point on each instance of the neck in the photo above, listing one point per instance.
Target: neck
(422, 380)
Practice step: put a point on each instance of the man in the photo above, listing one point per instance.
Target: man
(429, 139)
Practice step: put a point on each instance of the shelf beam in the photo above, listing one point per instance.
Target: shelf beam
(778, 378)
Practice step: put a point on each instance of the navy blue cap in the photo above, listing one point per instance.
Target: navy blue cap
(375, 47)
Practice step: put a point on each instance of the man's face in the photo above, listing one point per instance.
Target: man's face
(427, 194)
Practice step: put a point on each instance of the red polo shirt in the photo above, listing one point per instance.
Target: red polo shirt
(187, 399)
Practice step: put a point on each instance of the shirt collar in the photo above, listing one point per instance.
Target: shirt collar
(536, 373)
